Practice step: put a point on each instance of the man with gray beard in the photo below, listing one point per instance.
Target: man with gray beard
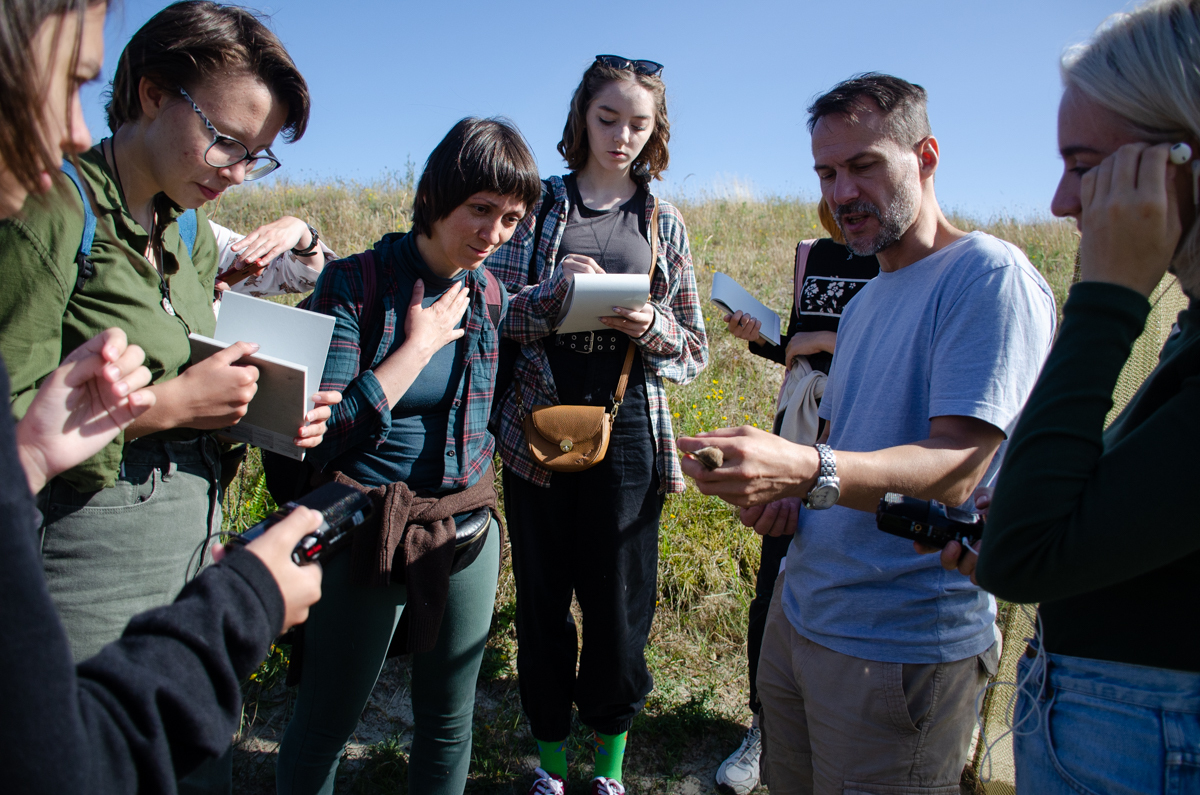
(873, 655)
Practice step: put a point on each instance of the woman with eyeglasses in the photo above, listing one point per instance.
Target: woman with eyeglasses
(594, 532)
(199, 95)
(165, 696)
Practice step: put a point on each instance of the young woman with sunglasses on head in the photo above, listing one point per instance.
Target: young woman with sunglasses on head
(594, 533)
(125, 530)
(415, 349)
(1098, 524)
(164, 697)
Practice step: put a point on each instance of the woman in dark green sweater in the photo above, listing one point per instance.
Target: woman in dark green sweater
(1100, 526)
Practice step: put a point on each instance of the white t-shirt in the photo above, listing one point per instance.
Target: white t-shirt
(962, 332)
(284, 274)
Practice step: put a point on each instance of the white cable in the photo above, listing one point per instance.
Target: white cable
(1033, 684)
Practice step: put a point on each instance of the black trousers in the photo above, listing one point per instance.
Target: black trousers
(774, 548)
(595, 534)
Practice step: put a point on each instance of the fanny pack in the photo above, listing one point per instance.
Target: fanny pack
(469, 537)
(574, 438)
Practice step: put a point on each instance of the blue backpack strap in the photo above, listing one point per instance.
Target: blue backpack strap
(86, 268)
(187, 229)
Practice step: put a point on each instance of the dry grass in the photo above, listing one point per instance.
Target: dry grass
(707, 559)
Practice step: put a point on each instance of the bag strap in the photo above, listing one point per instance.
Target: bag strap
(531, 274)
(187, 229)
(86, 269)
(802, 251)
(623, 381)
(491, 296)
(371, 307)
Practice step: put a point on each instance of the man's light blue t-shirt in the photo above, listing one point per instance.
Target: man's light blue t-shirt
(962, 332)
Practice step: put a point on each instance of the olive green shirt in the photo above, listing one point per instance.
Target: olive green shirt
(43, 318)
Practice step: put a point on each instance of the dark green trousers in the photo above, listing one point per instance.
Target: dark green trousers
(346, 641)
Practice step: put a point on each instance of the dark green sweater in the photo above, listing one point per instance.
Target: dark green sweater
(1103, 526)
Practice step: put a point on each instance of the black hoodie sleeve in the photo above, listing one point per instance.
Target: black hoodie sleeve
(149, 707)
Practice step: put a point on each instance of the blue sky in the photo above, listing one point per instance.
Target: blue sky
(389, 78)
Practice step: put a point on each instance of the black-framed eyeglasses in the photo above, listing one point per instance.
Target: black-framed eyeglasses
(647, 68)
(225, 151)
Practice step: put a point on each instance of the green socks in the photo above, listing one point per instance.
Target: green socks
(610, 754)
(554, 757)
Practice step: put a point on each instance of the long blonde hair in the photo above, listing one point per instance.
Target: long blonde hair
(1145, 66)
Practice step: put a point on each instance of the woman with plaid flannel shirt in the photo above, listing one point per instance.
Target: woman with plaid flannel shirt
(413, 427)
(595, 533)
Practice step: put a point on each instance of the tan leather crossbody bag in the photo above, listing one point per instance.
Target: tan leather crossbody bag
(575, 438)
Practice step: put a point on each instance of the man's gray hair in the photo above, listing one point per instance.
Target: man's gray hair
(903, 105)
(1145, 67)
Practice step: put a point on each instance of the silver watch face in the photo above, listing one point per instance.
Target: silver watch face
(823, 496)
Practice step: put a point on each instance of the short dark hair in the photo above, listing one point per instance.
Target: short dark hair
(476, 155)
(654, 157)
(903, 105)
(187, 42)
(23, 148)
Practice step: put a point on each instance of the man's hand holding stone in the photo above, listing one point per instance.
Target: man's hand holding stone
(758, 467)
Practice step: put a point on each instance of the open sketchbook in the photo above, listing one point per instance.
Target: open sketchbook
(293, 344)
(732, 297)
(593, 296)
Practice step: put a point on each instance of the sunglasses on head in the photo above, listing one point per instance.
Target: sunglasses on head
(647, 68)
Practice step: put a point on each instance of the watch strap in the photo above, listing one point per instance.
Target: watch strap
(312, 246)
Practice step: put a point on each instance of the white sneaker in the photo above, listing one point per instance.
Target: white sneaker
(606, 786)
(547, 784)
(738, 774)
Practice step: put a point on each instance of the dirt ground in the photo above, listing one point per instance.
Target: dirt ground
(675, 747)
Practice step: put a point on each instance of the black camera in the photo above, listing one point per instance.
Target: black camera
(344, 510)
(927, 521)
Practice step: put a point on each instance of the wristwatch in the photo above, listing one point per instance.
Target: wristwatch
(312, 246)
(824, 494)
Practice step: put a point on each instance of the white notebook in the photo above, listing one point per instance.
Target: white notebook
(293, 344)
(732, 297)
(593, 296)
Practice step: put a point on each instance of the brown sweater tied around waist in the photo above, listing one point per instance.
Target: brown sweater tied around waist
(414, 545)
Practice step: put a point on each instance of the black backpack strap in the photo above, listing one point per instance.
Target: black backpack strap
(531, 277)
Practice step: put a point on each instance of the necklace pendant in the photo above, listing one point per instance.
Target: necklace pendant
(166, 305)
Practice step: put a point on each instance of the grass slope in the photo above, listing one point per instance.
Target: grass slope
(707, 560)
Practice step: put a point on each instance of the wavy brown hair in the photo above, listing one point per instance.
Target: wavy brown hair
(23, 146)
(652, 161)
(188, 42)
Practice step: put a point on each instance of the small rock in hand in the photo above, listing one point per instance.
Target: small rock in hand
(711, 457)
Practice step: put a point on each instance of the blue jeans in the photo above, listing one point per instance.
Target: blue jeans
(1106, 727)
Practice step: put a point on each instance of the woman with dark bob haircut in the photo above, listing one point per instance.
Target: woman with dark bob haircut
(414, 352)
(165, 696)
(594, 532)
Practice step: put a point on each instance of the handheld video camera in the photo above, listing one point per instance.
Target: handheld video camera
(927, 521)
(343, 509)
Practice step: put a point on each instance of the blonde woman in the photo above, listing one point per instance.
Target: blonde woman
(1099, 524)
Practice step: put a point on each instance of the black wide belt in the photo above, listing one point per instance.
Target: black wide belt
(593, 341)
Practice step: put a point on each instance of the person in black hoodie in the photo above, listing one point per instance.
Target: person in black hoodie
(165, 697)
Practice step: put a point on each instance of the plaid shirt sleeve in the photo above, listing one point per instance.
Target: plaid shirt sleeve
(676, 345)
(363, 412)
